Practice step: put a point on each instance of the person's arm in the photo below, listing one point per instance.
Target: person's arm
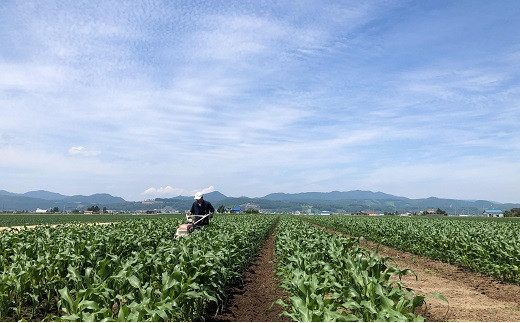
(192, 210)
(210, 208)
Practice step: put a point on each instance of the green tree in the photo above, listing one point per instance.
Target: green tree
(439, 211)
(512, 213)
(221, 209)
(93, 208)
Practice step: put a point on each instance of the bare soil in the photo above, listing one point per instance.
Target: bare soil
(472, 297)
(253, 300)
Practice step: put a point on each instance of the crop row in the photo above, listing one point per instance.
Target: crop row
(8, 220)
(131, 271)
(489, 247)
(331, 278)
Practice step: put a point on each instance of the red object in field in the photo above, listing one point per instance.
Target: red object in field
(185, 227)
(184, 230)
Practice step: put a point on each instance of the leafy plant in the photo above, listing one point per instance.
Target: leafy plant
(488, 246)
(331, 278)
(131, 271)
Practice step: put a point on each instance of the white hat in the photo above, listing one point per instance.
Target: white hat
(198, 195)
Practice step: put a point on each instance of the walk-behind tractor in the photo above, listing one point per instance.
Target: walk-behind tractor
(190, 225)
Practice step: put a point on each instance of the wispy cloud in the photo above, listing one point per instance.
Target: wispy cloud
(82, 151)
(163, 191)
(168, 191)
(156, 98)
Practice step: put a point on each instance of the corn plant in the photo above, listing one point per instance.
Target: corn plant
(331, 278)
(131, 271)
(30, 219)
(488, 246)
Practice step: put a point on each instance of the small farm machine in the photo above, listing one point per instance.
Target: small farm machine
(191, 224)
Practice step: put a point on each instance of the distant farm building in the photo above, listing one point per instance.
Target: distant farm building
(233, 209)
(325, 213)
(493, 214)
(38, 210)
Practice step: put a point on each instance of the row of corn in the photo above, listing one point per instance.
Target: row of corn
(131, 271)
(331, 278)
(485, 245)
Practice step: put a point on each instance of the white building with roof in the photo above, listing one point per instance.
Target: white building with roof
(489, 213)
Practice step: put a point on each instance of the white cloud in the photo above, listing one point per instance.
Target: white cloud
(82, 151)
(277, 97)
(466, 178)
(163, 191)
(34, 169)
(207, 190)
(31, 77)
(170, 191)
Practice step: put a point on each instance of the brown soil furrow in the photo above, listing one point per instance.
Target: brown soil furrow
(472, 297)
(252, 301)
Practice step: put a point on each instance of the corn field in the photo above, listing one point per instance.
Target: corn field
(137, 271)
(488, 246)
(330, 278)
(131, 271)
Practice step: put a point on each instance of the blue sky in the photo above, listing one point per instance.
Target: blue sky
(144, 99)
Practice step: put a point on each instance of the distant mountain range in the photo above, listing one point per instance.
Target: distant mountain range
(44, 200)
(336, 202)
(331, 196)
(213, 196)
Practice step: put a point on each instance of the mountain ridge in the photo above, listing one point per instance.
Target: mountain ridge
(44, 199)
(334, 201)
(331, 196)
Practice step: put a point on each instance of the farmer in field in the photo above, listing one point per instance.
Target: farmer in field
(200, 208)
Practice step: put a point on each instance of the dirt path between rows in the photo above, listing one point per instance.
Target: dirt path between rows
(252, 301)
(472, 297)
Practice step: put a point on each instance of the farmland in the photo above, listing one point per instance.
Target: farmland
(132, 271)
(324, 272)
(29, 219)
(136, 271)
(488, 246)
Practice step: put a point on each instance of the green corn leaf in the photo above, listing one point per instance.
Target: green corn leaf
(209, 297)
(134, 281)
(68, 304)
(438, 296)
(369, 306)
(91, 305)
(192, 294)
(73, 273)
(70, 318)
